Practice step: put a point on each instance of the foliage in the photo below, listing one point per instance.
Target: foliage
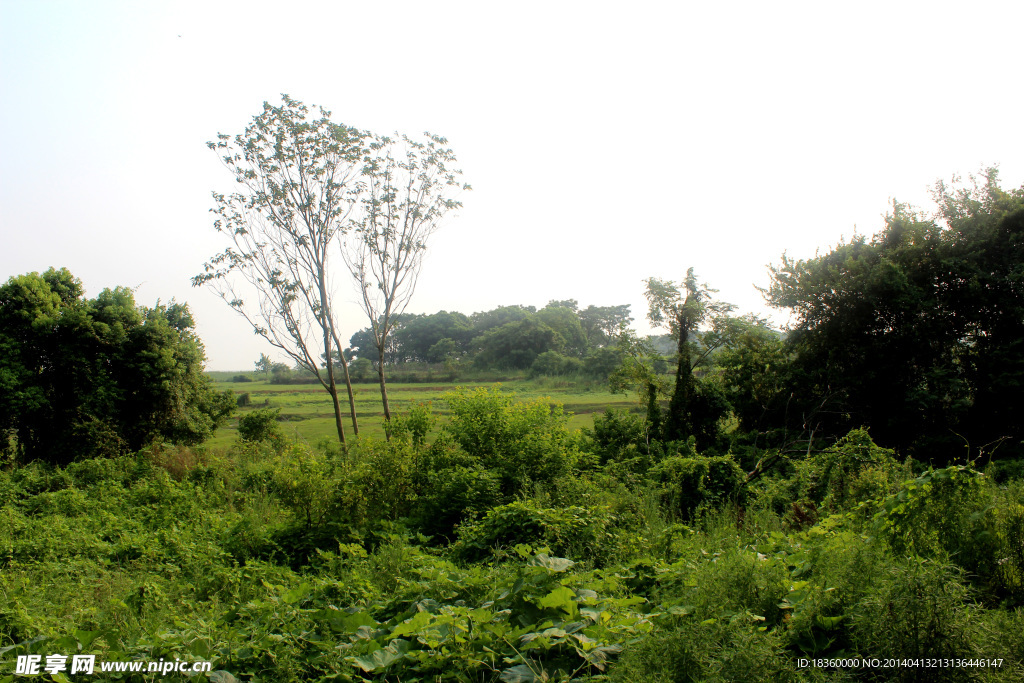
(603, 324)
(566, 324)
(916, 332)
(553, 364)
(419, 336)
(640, 371)
(413, 426)
(101, 376)
(300, 180)
(302, 481)
(755, 376)
(297, 568)
(516, 345)
(684, 309)
(853, 471)
(694, 483)
(451, 496)
(601, 362)
(522, 442)
(575, 532)
(405, 196)
(620, 436)
(260, 425)
(917, 610)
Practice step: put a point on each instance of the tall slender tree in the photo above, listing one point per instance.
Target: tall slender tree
(409, 190)
(301, 179)
(684, 308)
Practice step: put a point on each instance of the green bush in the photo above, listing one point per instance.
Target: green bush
(451, 496)
(852, 471)
(375, 482)
(576, 532)
(303, 481)
(260, 425)
(413, 426)
(943, 513)
(523, 441)
(619, 436)
(721, 650)
(554, 364)
(601, 363)
(690, 485)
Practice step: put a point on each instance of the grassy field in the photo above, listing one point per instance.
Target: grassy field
(306, 408)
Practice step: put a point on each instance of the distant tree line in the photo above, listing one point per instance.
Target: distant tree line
(558, 339)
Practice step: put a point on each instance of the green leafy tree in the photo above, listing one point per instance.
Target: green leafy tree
(418, 335)
(756, 371)
(502, 315)
(516, 345)
(300, 181)
(261, 425)
(553, 364)
(602, 324)
(523, 441)
(640, 371)
(571, 304)
(918, 331)
(263, 364)
(684, 308)
(103, 376)
(408, 192)
(566, 323)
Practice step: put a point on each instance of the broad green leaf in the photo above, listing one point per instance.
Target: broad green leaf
(560, 598)
(296, 594)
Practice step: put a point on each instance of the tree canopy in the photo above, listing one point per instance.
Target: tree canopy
(300, 180)
(919, 331)
(101, 376)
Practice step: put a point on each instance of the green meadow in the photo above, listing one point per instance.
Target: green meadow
(307, 415)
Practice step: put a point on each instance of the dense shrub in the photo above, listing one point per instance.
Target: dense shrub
(691, 484)
(303, 481)
(554, 364)
(919, 609)
(260, 425)
(574, 532)
(732, 649)
(621, 436)
(602, 362)
(376, 481)
(523, 441)
(852, 471)
(451, 496)
(306, 564)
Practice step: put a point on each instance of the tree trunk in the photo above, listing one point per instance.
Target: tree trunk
(383, 387)
(348, 382)
(332, 387)
(676, 427)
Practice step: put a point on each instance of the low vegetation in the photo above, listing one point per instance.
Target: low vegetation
(502, 545)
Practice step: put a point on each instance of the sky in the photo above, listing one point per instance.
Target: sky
(605, 142)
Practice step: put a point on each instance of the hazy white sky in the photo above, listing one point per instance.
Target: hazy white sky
(605, 142)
